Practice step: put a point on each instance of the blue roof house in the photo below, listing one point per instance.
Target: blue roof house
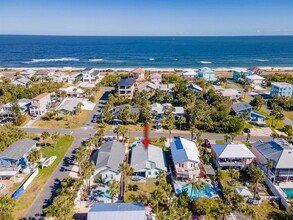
(14, 158)
(207, 74)
(240, 107)
(240, 74)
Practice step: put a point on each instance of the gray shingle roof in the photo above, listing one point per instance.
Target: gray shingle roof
(147, 158)
(279, 150)
(116, 110)
(18, 149)
(126, 82)
(111, 154)
(117, 211)
(241, 106)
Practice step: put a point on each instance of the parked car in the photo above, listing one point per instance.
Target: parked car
(207, 143)
(95, 120)
(246, 130)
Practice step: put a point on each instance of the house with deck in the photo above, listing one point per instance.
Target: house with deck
(186, 159)
(147, 162)
(21, 81)
(253, 116)
(207, 74)
(254, 70)
(14, 158)
(139, 75)
(107, 160)
(126, 88)
(90, 75)
(160, 109)
(146, 86)
(189, 75)
(229, 155)
(281, 89)
(280, 152)
(40, 104)
(254, 80)
(7, 109)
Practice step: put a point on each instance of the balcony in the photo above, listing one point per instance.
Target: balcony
(9, 170)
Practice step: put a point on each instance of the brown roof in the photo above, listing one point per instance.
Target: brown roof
(254, 69)
(138, 70)
(41, 96)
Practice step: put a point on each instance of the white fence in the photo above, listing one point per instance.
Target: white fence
(30, 179)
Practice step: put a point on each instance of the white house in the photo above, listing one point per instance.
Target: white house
(231, 93)
(90, 75)
(190, 75)
(161, 108)
(108, 159)
(73, 91)
(254, 80)
(23, 105)
(185, 156)
(147, 162)
(40, 103)
(156, 78)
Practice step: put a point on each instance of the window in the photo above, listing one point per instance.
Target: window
(150, 173)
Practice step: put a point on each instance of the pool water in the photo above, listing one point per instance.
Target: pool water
(206, 192)
(107, 192)
(288, 192)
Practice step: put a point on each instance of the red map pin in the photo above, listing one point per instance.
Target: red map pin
(146, 140)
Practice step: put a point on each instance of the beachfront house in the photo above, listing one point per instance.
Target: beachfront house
(189, 75)
(194, 88)
(90, 75)
(21, 81)
(254, 70)
(138, 74)
(27, 73)
(240, 74)
(160, 109)
(156, 78)
(126, 88)
(117, 211)
(6, 110)
(147, 162)
(253, 116)
(107, 160)
(40, 104)
(146, 86)
(44, 74)
(229, 155)
(281, 89)
(185, 157)
(207, 74)
(230, 93)
(14, 158)
(280, 152)
(254, 80)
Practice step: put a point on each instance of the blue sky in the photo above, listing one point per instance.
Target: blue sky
(147, 17)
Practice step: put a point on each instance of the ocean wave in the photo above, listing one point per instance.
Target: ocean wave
(205, 62)
(64, 59)
(96, 60)
(152, 59)
(261, 60)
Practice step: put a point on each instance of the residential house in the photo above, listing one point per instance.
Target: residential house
(240, 107)
(23, 104)
(46, 73)
(146, 86)
(74, 78)
(207, 74)
(138, 74)
(235, 156)
(161, 108)
(194, 88)
(156, 78)
(107, 161)
(243, 191)
(73, 91)
(165, 87)
(60, 77)
(254, 70)
(40, 104)
(254, 80)
(147, 161)
(240, 74)
(14, 158)
(90, 75)
(21, 81)
(280, 152)
(69, 106)
(185, 156)
(115, 111)
(231, 93)
(117, 211)
(126, 87)
(281, 89)
(27, 73)
(189, 75)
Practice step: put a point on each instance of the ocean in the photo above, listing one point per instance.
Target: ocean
(147, 52)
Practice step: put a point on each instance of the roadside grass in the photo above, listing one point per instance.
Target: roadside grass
(27, 119)
(73, 121)
(156, 142)
(220, 142)
(268, 210)
(29, 195)
(143, 189)
(289, 114)
(238, 85)
(131, 140)
(268, 120)
(99, 94)
(107, 128)
(139, 127)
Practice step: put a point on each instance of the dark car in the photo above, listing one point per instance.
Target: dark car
(246, 130)
(95, 120)
(207, 143)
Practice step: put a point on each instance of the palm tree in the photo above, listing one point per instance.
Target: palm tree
(66, 113)
(234, 175)
(126, 171)
(181, 120)
(226, 137)
(156, 197)
(55, 136)
(114, 189)
(274, 135)
(80, 156)
(34, 156)
(256, 175)
(163, 140)
(219, 174)
(269, 165)
(197, 185)
(7, 205)
(233, 135)
(248, 137)
(192, 131)
(78, 107)
(45, 135)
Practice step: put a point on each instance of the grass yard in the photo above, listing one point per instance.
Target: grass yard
(279, 125)
(268, 210)
(75, 121)
(156, 142)
(139, 127)
(289, 114)
(220, 142)
(30, 194)
(99, 94)
(143, 188)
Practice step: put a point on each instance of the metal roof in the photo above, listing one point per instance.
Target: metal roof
(209, 170)
(184, 150)
(117, 211)
(110, 155)
(18, 149)
(240, 106)
(231, 150)
(147, 158)
(126, 82)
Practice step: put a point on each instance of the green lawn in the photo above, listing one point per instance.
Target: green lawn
(156, 142)
(267, 210)
(30, 194)
(143, 188)
(289, 114)
(220, 142)
(265, 112)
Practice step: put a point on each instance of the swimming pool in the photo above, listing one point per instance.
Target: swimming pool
(288, 192)
(107, 192)
(206, 192)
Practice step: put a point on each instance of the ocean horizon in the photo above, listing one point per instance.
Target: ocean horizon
(39, 51)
